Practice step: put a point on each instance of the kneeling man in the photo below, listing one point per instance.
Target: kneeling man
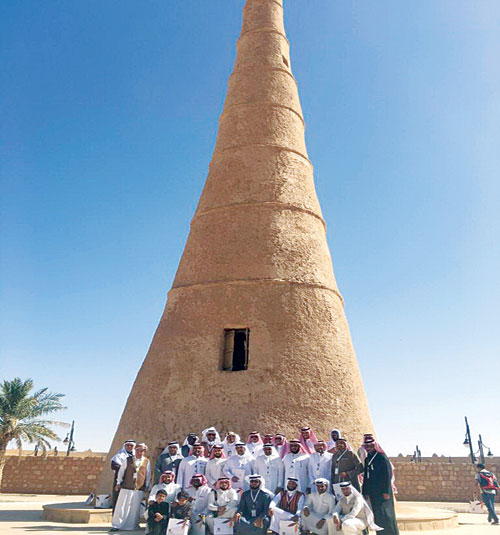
(252, 516)
(318, 509)
(286, 505)
(352, 515)
(222, 503)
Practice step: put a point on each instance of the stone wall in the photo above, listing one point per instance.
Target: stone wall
(52, 475)
(425, 481)
(432, 481)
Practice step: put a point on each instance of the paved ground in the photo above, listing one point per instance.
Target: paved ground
(22, 514)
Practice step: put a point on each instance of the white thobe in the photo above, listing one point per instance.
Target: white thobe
(199, 506)
(239, 466)
(319, 466)
(229, 448)
(271, 469)
(296, 466)
(127, 510)
(350, 511)
(214, 470)
(171, 489)
(320, 507)
(362, 453)
(281, 514)
(188, 467)
(310, 444)
(255, 449)
(221, 498)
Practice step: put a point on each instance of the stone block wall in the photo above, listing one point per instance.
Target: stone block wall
(52, 475)
(431, 481)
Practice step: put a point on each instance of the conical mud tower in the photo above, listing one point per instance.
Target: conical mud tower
(254, 334)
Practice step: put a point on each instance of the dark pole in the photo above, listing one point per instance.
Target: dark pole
(70, 443)
(481, 451)
(467, 434)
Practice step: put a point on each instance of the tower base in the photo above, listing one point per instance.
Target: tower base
(411, 517)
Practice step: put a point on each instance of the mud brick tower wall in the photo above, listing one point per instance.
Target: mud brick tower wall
(257, 260)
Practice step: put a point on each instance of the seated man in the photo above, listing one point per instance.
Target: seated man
(252, 516)
(199, 493)
(168, 485)
(318, 509)
(352, 514)
(158, 513)
(286, 505)
(222, 503)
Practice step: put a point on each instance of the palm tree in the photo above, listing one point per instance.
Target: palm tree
(21, 416)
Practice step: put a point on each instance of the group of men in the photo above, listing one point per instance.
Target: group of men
(263, 483)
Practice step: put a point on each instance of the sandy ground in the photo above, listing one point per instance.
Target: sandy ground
(23, 514)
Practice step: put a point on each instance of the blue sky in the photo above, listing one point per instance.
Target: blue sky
(109, 117)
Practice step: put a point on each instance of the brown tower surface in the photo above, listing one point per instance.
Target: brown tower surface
(256, 258)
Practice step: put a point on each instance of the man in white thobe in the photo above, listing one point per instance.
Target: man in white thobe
(230, 442)
(209, 438)
(308, 439)
(270, 467)
(318, 510)
(222, 503)
(352, 513)
(215, 465)
(193, 464)
(239, 466)
(286, 505)
(296, 464)
(199, 493)
(320, 463)
(168, 485)
(280, 444)
(134, 478)
(255, 444)
(127, 450)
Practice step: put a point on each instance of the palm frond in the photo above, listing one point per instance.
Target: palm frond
(20, 412)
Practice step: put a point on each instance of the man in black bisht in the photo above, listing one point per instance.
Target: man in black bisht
(377, 486)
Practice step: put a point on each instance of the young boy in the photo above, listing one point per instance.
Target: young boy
(158, 514)
(181, 509)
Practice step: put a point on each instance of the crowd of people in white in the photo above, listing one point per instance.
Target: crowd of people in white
(250, 487)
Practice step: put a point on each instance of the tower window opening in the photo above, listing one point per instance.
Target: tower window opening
(235, 349)
(285, 61)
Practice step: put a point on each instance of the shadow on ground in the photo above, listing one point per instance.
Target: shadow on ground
(77, 528)
(20, 515)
